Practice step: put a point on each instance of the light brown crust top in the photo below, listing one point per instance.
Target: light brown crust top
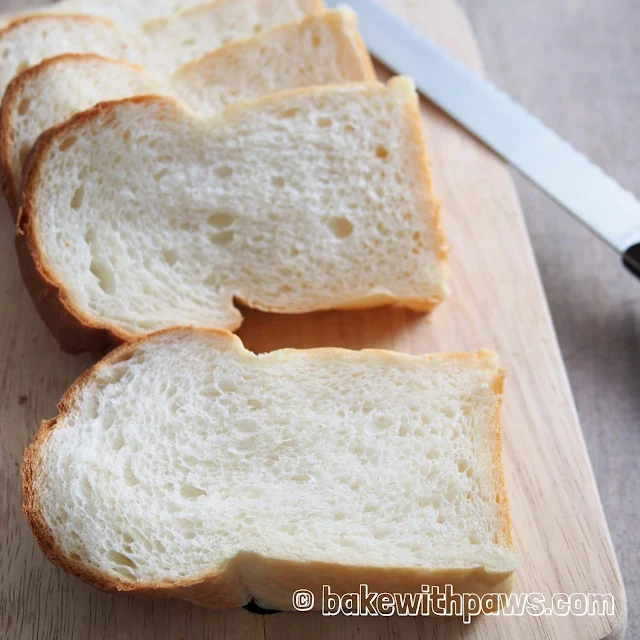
(74, 329)
(225, 589)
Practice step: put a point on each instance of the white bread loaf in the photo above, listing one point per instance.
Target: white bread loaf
(326, 48)
(139, 215)
(185, 466)
(162, 45)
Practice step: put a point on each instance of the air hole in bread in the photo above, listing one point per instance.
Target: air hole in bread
(382, 152)
(24, 106)
(245, 446)
(382, 229)
(247, 426)
(5, 53)
(90, 235)
(24, 64)
(220, 219)
(223, 171)
(105, 275)
(278, 181)
(211, 280)
(170, 257)
(382, 423)
(78, 198)
(228, 386)
(289, 113)
(67, 143)
(126, 136)
(191, 491)
(130, 478)
(121, 559)
(160, 174)
(221, 239)
(188, 42)
(323, 121)
(257, 28)
(316, 40)
(340, 227)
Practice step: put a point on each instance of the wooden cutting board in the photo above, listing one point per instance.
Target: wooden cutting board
(498, 302)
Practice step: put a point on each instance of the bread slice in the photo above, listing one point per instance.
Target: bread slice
(47, 94)
(162, 46)
(185, 466)
(138, 215)
(31, 39)
(327, 49)
(131, 14)
(323, 48)
(172, 42)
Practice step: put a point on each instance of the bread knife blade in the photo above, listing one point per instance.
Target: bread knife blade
(550, 162)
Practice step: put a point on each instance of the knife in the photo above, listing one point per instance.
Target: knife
(566, 175)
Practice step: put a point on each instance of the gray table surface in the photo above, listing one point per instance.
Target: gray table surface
(576, 65)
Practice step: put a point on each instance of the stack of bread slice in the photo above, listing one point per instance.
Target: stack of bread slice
(165, 160)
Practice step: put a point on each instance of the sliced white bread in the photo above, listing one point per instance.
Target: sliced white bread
(321, 49)
(34, 38)
(139, 215)
(185, 466)
(175, 40)
(132, 14)
(163, 46)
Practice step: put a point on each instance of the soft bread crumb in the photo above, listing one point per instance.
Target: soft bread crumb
(148, 216)
(175, 456)
(163, 44)
(326, 48)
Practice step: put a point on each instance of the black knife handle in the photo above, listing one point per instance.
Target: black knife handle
(631, 259)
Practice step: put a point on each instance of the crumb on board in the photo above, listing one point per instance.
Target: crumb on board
(22, 399)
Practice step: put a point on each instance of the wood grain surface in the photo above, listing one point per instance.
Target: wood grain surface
(576, 64)
(498, 301)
